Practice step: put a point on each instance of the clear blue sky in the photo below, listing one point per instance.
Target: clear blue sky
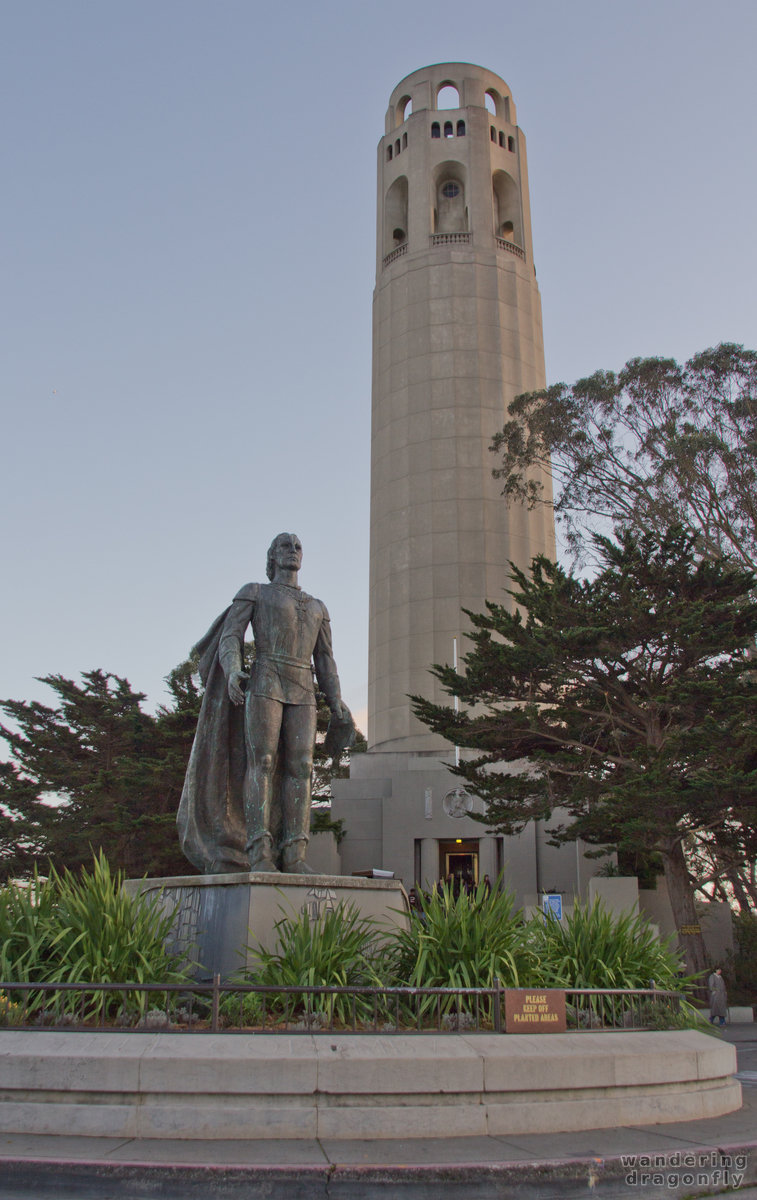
(188, 224)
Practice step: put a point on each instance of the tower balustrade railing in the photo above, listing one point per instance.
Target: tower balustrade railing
(389, 258)
(450, 239)
(511, 247)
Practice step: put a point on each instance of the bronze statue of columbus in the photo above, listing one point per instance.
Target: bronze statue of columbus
(245, 805)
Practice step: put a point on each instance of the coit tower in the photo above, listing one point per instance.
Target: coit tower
(457, 334)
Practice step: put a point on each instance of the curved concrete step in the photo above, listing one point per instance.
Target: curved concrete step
(169, 1085)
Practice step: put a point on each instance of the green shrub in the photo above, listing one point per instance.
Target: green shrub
(26, 923)
(594, 948)
(85, 929)
(666, 1014)
(339, 949)
(241, 1010)
(11, 1012)
(464, 941)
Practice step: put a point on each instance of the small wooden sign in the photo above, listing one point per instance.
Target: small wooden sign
(692, 929)
(535, 1010)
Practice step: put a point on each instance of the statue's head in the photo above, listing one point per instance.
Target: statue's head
(288, 542)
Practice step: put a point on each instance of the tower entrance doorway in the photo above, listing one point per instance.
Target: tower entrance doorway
(459, 859)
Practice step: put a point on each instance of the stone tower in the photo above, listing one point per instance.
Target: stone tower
(456, 336)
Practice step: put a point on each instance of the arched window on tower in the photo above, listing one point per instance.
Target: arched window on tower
(450, 215)
(511, 144)
(493, 133)
(447, 97)
(493, 102)
(448, 132)
(397, 146)
(501, 138)
(461, 129)
(395, 215)
(403, 110)
(389, 152)
(404, 140)
(436, 130)
(506, 202)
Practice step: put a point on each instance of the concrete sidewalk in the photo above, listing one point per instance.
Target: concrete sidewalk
(692, 1158)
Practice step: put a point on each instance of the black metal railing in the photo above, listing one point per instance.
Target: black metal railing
(254, 1008)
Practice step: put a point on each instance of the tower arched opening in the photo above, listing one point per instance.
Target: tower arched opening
(507, 214)
(447, 96)
(403, 110)
(450, 210)
(498, 104)
(395, 215)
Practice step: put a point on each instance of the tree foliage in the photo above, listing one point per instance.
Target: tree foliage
(95, 772)
(625, 703)
(654, 445)
(324, 767)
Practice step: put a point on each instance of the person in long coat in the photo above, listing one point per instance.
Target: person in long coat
(718, 997)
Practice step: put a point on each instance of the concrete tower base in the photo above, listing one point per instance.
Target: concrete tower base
(407, 813)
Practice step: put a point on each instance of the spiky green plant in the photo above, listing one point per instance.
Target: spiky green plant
(26, 913)
(85, 929)
(339, 949)
(11, 1012)
(464, 941)
(595, 948)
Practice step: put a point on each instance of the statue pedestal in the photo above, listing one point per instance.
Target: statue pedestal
(220, 919)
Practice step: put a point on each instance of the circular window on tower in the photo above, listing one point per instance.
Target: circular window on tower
(450, 189)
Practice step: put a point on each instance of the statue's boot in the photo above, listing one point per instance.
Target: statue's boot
(293, 858)
(261, 855)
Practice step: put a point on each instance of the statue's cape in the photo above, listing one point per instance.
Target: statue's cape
(211, 820)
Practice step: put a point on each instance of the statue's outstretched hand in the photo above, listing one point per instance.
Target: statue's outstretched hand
(237, 681)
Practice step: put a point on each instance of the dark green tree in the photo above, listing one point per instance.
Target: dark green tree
(95, 771)
(625, 704)
(653, 445)
(324, 767)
